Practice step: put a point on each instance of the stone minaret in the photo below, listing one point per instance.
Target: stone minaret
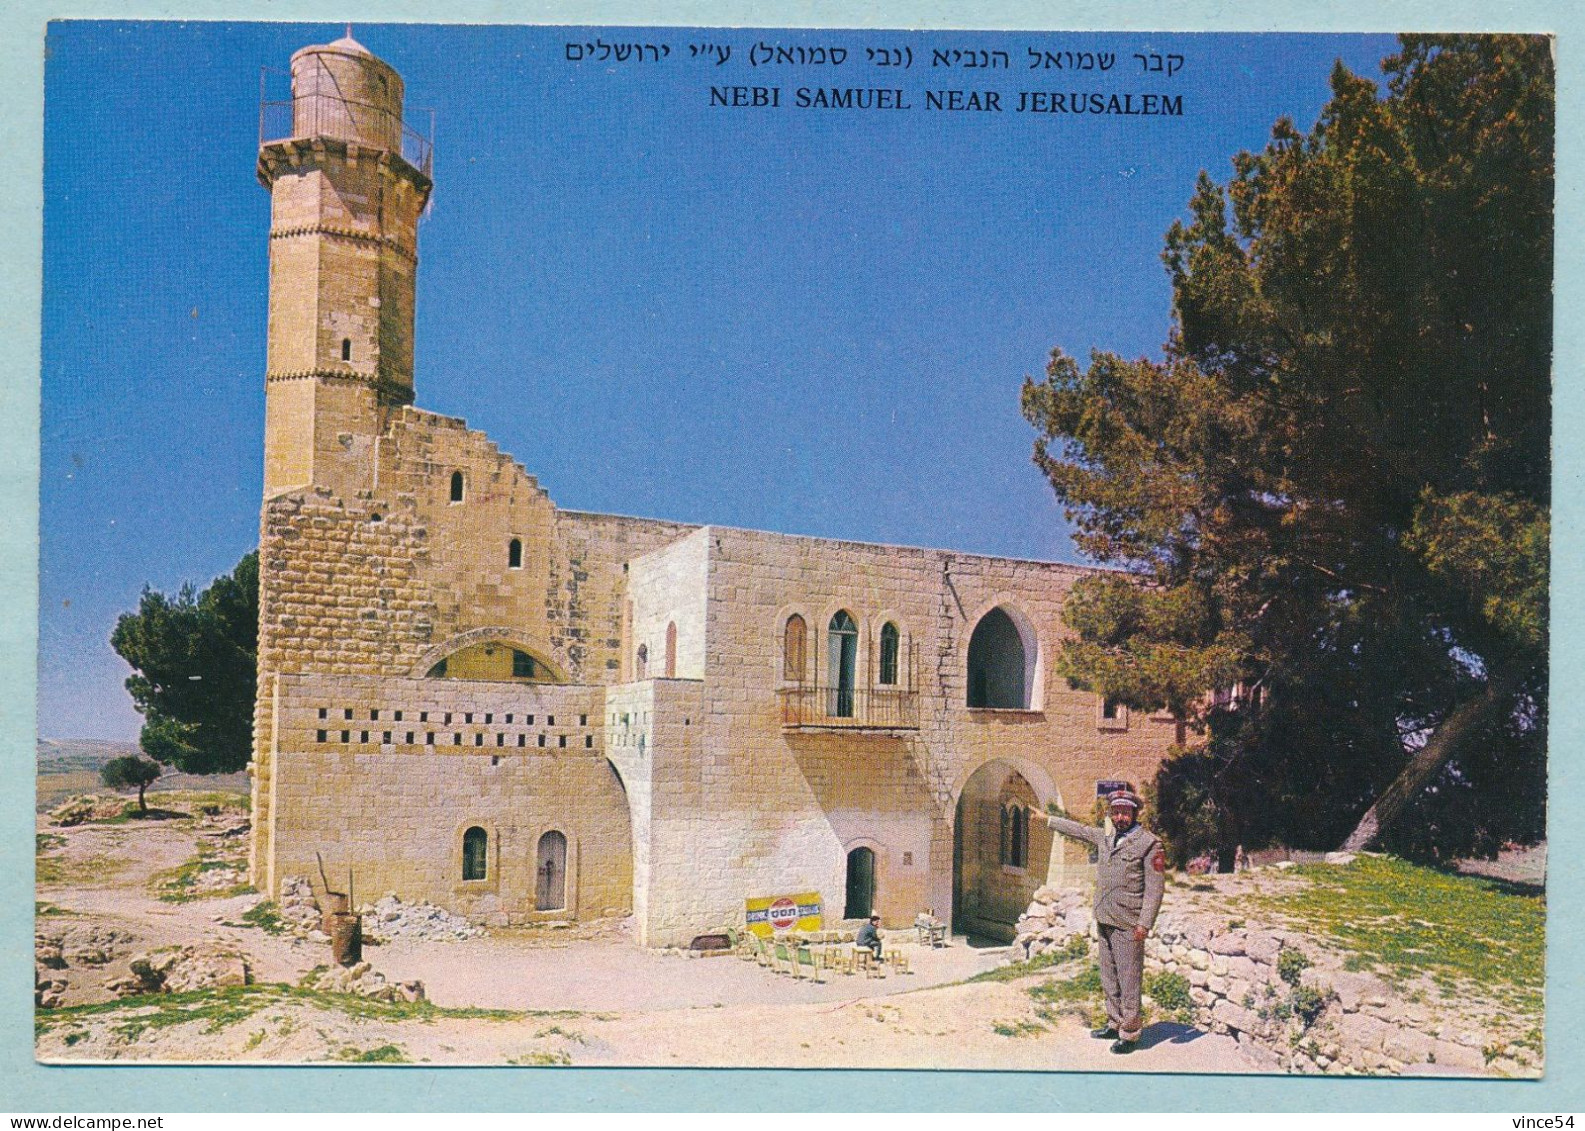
(344, 210)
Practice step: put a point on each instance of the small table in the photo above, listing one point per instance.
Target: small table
(931, 932)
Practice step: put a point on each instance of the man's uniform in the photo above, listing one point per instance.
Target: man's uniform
(1129, 880)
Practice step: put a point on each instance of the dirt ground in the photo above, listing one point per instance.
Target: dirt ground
(587, 995)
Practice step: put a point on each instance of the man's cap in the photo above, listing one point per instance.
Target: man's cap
(1124, 797)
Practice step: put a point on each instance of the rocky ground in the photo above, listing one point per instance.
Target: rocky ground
(1354, 965)
(150, 948)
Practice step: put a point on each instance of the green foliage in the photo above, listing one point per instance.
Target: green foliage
(1291, 965)
(1335, 487)
(1307, 1003)
(1077, 990)
(130, 771)
(194, 670)
(1169, 991)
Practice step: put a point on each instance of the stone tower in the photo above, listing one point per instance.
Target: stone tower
(345, 204)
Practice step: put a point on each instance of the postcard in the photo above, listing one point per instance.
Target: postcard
(747, 547)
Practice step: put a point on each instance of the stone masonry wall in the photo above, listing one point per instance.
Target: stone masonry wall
(389, 790)
(1241, 984)
(667, 587)
(781, 808)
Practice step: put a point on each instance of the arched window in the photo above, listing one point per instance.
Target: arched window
(671, 650)
(524, 666)
(1015, 836)
(843, 649)
(998, 663)
(889, 644)
(793, 645)
(643, 661)
(514, 554)
(550, 887)
(475, 853)
(456, 486)
(346, 349)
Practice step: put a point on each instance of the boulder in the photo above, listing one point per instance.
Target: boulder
(1458, 1057)
(1229, 944)
(1408, 1045)
(1260, 946)
(1236, 1017)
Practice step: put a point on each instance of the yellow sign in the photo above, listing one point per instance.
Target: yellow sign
(776, 914)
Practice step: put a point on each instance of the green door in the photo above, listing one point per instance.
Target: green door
(861, 884)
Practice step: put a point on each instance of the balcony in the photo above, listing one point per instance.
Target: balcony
(347, 119)
(812, 707)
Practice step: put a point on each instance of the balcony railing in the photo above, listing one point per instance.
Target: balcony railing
(851, 708)
(330, 115)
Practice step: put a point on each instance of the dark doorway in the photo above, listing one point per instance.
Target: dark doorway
(861, 884)
(997, 663)
(550, 892)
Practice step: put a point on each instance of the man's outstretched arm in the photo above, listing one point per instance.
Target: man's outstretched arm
(1090, 834)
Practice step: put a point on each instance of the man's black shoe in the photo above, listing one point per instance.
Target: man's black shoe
(1107, 1034)
(1122, 1048)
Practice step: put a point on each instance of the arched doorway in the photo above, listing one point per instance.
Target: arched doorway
(550, 889)
(861, 884)
(1001, 850)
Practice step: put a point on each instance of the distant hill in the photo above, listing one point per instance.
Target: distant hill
(68, 766)
(66, 755)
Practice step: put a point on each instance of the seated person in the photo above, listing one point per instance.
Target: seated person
(870, 936)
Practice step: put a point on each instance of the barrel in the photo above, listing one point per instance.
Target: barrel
(346, 937)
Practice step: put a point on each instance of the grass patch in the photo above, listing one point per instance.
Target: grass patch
(46, 842)
(1076, 948)
(1079, 989)
(382, 1054)
(266, 917)
(1017, 1029)
(218, 1009)
(1405, 921)
(180, 884)
(541, 1060)
(564, 1034)
(76, 873)
(43, 910)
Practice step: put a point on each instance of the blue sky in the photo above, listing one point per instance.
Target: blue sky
(797, 320)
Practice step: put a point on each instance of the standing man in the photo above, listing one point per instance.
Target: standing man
(1130, 874)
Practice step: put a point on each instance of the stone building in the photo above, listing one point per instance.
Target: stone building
(471, 696)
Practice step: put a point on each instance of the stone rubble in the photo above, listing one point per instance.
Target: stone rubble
(181, 968)
(300, 909)
(58, 945)
(365, 981)
(390, 918)
(86, 807)
(1364, 1025)
(47, 987)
